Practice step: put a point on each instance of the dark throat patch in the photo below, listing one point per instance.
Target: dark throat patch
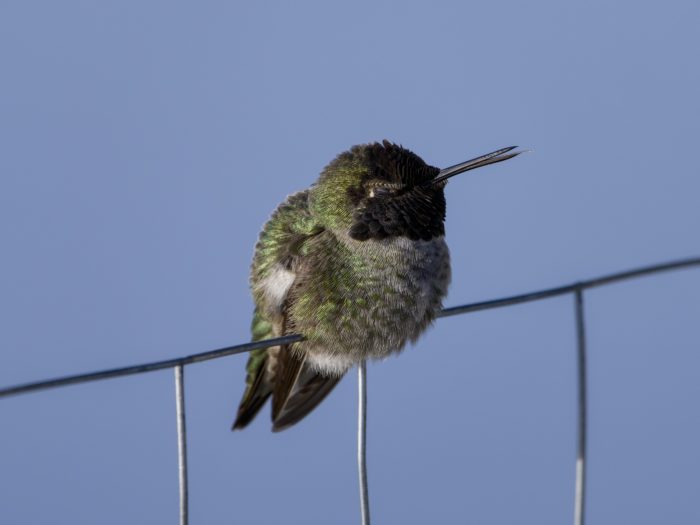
(417, 213)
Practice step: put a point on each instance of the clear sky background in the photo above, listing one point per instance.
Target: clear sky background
(144, 143)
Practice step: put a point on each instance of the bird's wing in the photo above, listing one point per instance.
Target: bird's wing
(258, 386)
(278, 264)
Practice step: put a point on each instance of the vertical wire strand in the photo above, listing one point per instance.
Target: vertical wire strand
(362, 441)
(580, 489)
(181, 442)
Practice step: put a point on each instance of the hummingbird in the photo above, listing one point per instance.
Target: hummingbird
(357, 264)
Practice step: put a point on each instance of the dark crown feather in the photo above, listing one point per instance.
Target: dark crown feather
(394, 164)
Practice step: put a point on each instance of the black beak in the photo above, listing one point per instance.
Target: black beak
(490, 158)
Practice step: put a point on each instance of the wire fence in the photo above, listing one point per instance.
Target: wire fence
(178, 364)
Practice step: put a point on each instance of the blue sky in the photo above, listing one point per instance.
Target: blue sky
(145, 143)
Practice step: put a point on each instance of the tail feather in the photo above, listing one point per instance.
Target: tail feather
(298, 389)
(311, 388)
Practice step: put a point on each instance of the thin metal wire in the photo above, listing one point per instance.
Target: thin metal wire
(362, 440)
(148, 367)
(179, 363)
(247, 347)
(580, 486)
(181, 442)
(562, 290)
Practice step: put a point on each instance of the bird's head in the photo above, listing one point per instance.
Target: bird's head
(376, 191)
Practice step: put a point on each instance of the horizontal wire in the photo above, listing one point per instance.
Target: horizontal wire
(148, 367)
(255, 345)
(569, 288)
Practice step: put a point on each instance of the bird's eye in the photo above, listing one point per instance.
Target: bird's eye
(380, 191)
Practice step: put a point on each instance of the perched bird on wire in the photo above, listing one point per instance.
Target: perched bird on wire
(357, 264)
